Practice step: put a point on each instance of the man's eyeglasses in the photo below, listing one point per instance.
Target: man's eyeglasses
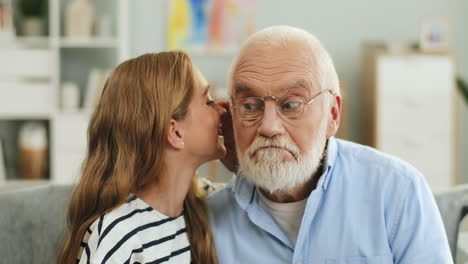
(250, 108)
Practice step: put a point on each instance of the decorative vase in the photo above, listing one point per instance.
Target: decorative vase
(32, 26)
(80, 17)
(33, 151)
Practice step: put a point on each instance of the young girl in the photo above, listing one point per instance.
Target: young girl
(138, 200)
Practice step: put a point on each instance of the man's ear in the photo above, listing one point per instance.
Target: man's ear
(175, 137)
(334, 116)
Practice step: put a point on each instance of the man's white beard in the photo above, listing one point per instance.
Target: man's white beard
(271, 172)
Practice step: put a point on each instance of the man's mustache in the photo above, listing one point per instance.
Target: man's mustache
(260, 144)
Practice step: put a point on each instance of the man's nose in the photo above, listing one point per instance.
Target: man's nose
(271, 124)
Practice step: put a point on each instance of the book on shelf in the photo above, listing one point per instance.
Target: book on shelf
(96, 81)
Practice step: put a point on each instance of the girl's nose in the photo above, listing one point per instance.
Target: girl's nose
(221, 110)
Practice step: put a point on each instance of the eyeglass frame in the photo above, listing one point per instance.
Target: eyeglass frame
(274, 98)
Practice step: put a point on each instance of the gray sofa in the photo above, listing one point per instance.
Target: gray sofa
(453, 207)
(32, 221)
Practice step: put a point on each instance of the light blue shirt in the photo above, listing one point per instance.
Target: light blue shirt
(368, 207)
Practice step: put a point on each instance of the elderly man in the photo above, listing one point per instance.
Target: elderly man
(302, 196)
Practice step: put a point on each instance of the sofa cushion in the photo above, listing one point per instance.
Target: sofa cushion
(32, 223)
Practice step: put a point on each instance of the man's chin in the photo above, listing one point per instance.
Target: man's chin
(276, 176)
(267, 187)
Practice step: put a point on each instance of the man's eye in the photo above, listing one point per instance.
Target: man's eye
(290, 105)
(250, 107)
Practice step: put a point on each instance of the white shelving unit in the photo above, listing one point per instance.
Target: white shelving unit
(33, 69)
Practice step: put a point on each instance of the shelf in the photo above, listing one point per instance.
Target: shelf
(26, 42)
(33, 41)
(25, 116)
(88, 43)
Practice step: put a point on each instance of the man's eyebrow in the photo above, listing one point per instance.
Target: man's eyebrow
(299, 84)
(242, 88)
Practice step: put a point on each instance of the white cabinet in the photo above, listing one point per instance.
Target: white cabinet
(411, 113)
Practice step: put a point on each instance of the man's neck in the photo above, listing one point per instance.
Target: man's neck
(297, 193)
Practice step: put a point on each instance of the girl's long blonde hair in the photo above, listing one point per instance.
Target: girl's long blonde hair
(126, 141)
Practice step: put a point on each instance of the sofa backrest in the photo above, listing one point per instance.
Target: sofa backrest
(451, 205)
(32, 223)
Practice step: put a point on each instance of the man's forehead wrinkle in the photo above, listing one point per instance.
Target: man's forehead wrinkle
(276, 71)
(285, 67)
(294, 76)
(268, 71)
(256, 68)
(252, 82)
(270, 64)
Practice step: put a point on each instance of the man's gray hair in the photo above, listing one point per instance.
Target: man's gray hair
(281, 36)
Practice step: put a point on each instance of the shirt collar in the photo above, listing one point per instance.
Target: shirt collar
(330, 159)
(244, 189)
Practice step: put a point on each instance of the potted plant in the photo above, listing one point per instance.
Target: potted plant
(463, 87)
(33, 16)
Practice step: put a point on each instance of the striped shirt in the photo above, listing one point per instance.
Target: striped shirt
(136, 233)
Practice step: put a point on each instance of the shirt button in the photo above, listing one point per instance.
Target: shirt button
(298, 262)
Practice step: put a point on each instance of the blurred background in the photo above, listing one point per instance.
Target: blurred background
(403, 67)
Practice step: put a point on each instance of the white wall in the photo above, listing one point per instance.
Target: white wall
(341, 25)
(147, 26)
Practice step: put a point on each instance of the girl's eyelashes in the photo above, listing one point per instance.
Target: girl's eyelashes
(210, 102)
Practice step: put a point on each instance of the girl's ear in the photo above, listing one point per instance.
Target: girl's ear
(175, 136)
